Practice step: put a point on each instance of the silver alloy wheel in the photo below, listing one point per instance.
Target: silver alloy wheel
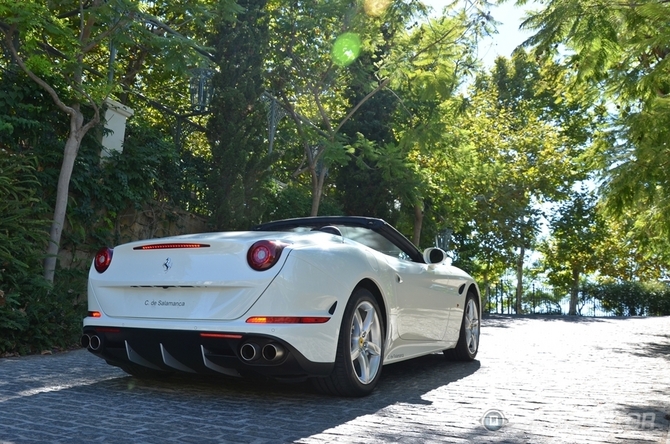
(366, 342)
(471, 324)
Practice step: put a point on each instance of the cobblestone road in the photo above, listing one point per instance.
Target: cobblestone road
(551, 380)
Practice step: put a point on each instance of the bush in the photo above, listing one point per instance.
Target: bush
(34, 315)
(632, 298)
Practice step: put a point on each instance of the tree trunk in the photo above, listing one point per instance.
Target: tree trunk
(418, 223)
(316, 195)
(318, 180)
(574, 292)
(519, 280)
(62, 192)
(487, 290)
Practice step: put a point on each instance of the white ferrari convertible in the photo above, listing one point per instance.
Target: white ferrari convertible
(331, 299)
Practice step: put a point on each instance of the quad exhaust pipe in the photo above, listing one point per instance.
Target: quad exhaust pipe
(250, 351)
(91, 342)
(271, 352)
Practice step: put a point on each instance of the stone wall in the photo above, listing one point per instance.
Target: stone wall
(157, 221)
(153, 221)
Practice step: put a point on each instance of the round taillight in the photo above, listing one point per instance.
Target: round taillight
(102, 259)
(264, 254)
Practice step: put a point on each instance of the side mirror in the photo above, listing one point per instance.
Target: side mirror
(434, 255)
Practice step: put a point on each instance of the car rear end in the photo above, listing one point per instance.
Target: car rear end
(189, 304)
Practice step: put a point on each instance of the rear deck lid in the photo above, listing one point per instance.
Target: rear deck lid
(195, 277)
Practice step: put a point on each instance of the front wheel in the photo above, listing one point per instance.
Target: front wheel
(360, 349)
(468, 339)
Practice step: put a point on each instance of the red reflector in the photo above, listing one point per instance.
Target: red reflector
(107, 330)
(287, 320)
(170, 245)
(220, 335)
(95, 314)
(314, 320)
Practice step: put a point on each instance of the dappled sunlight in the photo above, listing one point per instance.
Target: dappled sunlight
(93, 379)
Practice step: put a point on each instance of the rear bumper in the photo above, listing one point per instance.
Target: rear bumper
(232, 354)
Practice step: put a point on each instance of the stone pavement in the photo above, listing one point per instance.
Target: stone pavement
(537, 380)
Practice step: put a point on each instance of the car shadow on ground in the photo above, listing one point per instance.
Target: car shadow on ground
(289, 410)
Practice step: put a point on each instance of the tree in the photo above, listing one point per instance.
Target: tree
(530, 135)
(240, 172)
(363, 186)
(576, 231)
(66, 42)
(408, 157)
(623, 49)
(433, 165)
(310, 78)
(627, 254)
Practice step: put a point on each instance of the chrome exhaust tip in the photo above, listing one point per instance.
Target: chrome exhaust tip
(273, 352)
(85, 341)
(95, 343)
(249, 351)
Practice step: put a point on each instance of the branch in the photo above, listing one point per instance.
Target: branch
(324, 115)
(70, 111)
(296, 116)
(154, 21)
(108, 32)
(379, 87)
(435, 42)
(54, 95)
(96, 117)
(74, 12)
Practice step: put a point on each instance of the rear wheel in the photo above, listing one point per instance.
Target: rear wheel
(360, 349)
(468, 339)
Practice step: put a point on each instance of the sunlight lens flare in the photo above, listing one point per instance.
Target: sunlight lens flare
(375, 8)
(346, 49)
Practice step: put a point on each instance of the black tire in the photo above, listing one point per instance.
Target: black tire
(468, 339)
(360, 349)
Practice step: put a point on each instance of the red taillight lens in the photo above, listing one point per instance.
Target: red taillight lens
(264, 254)
(102, 259)
(288, 320)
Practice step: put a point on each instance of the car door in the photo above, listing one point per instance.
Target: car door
(426, 296)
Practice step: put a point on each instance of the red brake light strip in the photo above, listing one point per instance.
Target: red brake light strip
(170, 245)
